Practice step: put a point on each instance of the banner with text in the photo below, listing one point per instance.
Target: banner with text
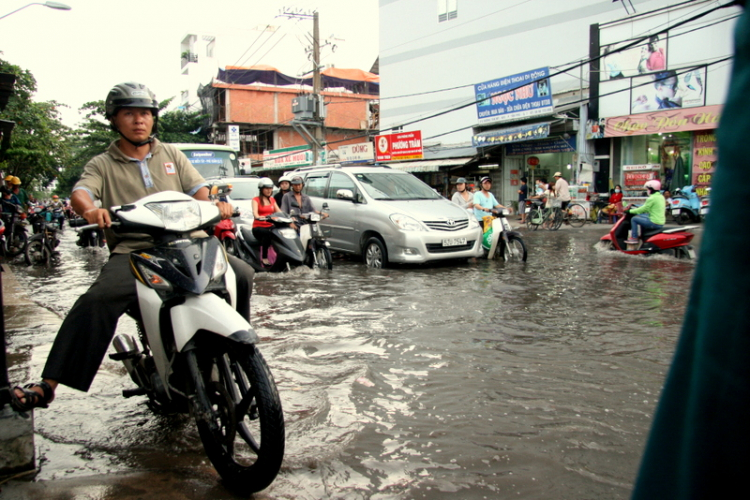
(401, 146)
(531, 96)
(704, 161)
(511, 134)
(356, 153)
(675, 120)
(292, 157)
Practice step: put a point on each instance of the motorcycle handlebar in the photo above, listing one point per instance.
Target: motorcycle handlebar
(93, 226)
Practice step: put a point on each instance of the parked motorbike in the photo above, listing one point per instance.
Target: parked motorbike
(685, 205)
(41, 247)
(195, 353)
(88, 238)
(673, 241)
(286, 249)
(317, 251)
(500, 241)
(705, 204)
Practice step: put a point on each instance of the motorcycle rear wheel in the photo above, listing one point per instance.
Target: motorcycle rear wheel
(15, 243)
(684, 217)
(239, 418)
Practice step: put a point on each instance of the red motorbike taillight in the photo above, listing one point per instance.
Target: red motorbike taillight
(704, 203)
(23, 216)
(675, 202)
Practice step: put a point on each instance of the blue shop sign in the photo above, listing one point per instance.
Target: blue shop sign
(557, 145)
(511, 134)
(513, 97)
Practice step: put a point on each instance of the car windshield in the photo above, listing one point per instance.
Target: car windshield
(395, 186)
(213, 163)
(244, 190)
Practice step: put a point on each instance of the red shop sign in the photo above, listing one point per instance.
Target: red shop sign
(533, 161)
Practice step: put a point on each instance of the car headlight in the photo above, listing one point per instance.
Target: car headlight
(406, 223)
(473, 222)
(178, 215)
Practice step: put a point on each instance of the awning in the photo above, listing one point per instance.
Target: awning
(428, 165)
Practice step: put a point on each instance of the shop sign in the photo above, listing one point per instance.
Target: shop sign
(558, 145)
(533, 161)
(351, 153)
(673, 120)
(233, 133)
(648, 166)
(401, 146)
(704, 161)
(296, 156)
(512, 134)
(638, 179)
(513, 97)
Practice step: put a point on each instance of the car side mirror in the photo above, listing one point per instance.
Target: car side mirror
(345, 194)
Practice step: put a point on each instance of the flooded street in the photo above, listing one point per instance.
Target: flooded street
(459, 380)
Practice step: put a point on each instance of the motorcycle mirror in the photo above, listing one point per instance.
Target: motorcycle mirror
(325, 205)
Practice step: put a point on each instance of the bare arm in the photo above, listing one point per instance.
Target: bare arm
(225, 208)
(84, 206)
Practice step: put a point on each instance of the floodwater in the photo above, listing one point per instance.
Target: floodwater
(460, 380)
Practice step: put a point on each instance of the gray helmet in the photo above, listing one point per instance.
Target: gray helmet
(130, 95)
(461, 180)
(265, 182)
(296, 180)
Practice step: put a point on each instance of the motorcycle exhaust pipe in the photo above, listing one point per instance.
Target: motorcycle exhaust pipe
(125, 347)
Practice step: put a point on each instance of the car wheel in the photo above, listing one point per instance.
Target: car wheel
(374, 253)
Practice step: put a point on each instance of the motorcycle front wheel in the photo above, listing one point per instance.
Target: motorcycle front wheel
(37, 253)
(239, 417)
(231, 247)
(320, 258)
(15, 243)
(515, 250)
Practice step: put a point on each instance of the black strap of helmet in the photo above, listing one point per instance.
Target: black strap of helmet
(138, 144)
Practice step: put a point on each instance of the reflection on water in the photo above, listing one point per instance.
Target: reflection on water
(477, 379)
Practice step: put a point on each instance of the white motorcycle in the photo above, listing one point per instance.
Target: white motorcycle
(500, 241)
(197, 354)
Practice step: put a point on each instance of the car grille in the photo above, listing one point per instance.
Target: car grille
(447, 225)
(439, 248)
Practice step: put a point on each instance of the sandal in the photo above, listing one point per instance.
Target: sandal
(32, 399)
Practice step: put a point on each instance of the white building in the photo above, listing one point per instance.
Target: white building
(435, 54)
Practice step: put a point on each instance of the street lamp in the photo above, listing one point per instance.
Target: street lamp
(51, 5)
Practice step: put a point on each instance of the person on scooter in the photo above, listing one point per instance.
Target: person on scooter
(650, 215)
(462, 197)
(484, 201)
(298, 202)
(263, 206)
(135, 165)
(285, 185)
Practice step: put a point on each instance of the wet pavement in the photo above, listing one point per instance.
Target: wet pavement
(457, 380)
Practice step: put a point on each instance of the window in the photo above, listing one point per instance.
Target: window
(341, 181)
(315, 184)
(210, 48)
(447, 10)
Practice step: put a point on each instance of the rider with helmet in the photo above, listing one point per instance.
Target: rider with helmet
(650, 215)
(285, 184)
(263, 206)
(296, 202)
(134, 166)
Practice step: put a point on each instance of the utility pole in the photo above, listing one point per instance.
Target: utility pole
(303, 117)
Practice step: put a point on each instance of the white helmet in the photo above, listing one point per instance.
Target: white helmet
(265, 182)
(653, 184)
(284, 178)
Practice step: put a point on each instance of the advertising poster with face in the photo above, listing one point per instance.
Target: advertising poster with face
(639, 60)
(684, 88)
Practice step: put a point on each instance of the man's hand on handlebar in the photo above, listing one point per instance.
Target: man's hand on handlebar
(98, 216)
(225, 209)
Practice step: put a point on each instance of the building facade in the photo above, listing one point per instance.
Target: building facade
(508, 87)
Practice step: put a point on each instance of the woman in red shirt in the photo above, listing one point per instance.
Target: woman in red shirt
(263, 206)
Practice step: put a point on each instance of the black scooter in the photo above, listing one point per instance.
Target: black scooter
(87, 237)
(286, 249)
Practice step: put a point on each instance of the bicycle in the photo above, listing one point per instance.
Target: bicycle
(574, 215)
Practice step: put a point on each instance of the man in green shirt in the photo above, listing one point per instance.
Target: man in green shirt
(650, 215)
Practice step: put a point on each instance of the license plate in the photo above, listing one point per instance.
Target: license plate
(704, 210)
(453, 242)
(528, 210)
(676, 211)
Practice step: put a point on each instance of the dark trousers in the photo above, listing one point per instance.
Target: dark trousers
(85, 334)
(263, 234)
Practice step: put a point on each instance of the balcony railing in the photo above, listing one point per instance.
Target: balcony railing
(188, 57)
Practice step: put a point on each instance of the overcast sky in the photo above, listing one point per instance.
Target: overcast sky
(77, 55)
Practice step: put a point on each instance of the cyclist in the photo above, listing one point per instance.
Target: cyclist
(562, 190)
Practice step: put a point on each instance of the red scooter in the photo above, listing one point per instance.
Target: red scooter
(672, 241)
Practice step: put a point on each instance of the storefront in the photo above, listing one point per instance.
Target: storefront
(676, 146)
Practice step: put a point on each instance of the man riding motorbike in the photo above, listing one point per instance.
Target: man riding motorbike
(298, 202)
(135, 165)
(650, 215)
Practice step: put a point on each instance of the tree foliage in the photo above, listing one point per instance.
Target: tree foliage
(39, 145)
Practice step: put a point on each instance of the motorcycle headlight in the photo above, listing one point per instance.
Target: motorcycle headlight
(220, 265)
(178, 215)
(406, 223)
(288, 233)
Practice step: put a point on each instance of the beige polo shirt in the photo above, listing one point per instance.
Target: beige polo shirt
(116, 179)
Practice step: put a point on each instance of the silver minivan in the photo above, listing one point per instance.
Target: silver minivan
(389, 216)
